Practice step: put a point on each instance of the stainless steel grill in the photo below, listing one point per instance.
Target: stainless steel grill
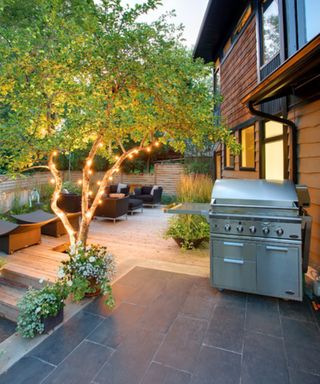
(257, 233)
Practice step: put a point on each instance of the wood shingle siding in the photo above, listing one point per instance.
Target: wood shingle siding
(239, 76)
(307, 119)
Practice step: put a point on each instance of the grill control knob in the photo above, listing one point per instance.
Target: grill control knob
(253, 229)
(240, 228)
(265, 230)
(227, 227)
(279, 231)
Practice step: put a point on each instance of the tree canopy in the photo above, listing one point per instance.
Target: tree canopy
(75, 73)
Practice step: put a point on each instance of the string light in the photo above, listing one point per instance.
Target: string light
(98, 182)
(90, 172)
(89, 162)
(88, 215)
(100, 201)
(79, 182)
(52, 181)
(110, 178)
(90, 193)
(130, 156)
(148, 149)
(136, 151)
(117, 170)
(157, 143)
(100, 145)
(54, 153)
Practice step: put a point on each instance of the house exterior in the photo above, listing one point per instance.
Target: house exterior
(266, 63)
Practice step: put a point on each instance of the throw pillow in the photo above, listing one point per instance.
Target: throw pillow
(137, 191)
(153, 189)
(121, 186)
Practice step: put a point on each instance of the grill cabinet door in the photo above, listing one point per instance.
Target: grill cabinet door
(233, 265)
(279, 271)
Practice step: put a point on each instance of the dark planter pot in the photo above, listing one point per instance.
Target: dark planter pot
(52, 321)
(196, 243)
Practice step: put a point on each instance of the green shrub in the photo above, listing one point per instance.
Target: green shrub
(168, 199)
(38, 304)
(189, 229)
(72, 187)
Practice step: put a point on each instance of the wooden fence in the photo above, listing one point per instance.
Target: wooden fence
(166, 175)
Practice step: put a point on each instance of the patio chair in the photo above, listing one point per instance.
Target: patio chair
(113, 208)
(17, 236)
(52, 225)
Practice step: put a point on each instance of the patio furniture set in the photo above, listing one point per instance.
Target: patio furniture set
(117, 202)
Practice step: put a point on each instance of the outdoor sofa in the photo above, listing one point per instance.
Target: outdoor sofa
(149, 194)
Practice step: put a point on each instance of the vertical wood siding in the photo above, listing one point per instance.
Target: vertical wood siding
(307, 120)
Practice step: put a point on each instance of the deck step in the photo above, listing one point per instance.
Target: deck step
(9, 297)
(26, 275)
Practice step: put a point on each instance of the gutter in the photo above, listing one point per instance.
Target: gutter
(293, 129)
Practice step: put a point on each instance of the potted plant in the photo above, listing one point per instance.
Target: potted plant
(188, 231)
(88, 272)
(40, 310)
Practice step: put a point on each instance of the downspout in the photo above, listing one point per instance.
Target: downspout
(293, 129)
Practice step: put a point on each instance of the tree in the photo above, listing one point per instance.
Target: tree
(74, 74)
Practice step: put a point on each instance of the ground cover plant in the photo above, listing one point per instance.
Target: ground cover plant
(77, 75)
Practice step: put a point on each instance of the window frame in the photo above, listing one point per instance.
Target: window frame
(263, 141)
(225, 167)
(243, 168)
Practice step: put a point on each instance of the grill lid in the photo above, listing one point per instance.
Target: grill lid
(255, 193)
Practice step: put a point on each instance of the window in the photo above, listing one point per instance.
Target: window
(228, 158)
(242, 22)
(308, 20)
(274, 159)
(247, 148)
(270, 30)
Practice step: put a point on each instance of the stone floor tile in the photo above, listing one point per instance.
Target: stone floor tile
(182, 344)
(231, 298)
(296, 310)
(65, 339)
(226, 328)
(298, 377)
(7, 328)
(301, 332)
(263, 316)
(216, 366)
(264, 360)
(131, 360)
(199, 303)
(115, 327)
(27, 370)
(161, 374)
(81, 365)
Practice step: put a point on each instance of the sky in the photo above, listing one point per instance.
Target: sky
(189, 13)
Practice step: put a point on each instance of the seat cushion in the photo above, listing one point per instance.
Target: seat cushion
(135, 203)
(146, 198)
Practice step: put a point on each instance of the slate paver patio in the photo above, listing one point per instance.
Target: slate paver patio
(185, 332)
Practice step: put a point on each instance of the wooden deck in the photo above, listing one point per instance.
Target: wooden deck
(137, 241)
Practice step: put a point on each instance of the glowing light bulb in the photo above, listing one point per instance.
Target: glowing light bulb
(100, 145)
(90, 172)
(98, 182)
(88, 215)
(130, 156)
(136, 151)
(100, 201)
(54, 153)
(148, 149)
(79, 182)
(110, 178)
(157, 143)
(52, 181)
(89, 162)
(90, 193)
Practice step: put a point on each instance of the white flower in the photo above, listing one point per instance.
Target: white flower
(92, 259)
(69, 283)
(41, 281)
(72, 249)
(61, 273)
(38, 310)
